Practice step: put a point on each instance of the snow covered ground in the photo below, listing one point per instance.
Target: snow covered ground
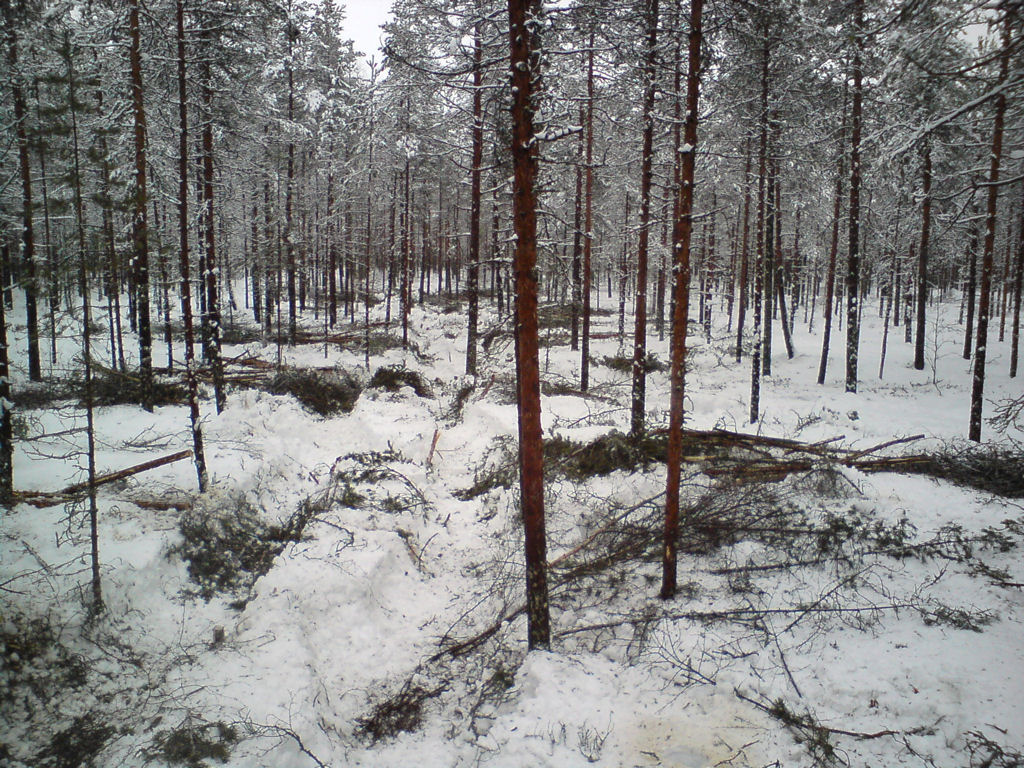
(893, 641)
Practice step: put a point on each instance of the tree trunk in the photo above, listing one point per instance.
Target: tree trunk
(922, 253)
(524, 21)
(741, 310)
(473, 278)
(6, 406)
(212, 300)
(779, 267)
(972, 289)
(830, 274)
(140, 235)
(682, 231)
(289, 244)
(853, 258)
(1018, 273)
(28, 244)
(984, 298)
(762, 172)
(198, 454)
(588, 222)
(646, 174)
(577, 242)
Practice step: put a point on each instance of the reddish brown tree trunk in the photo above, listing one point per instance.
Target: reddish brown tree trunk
(524, 20)
(682, 231)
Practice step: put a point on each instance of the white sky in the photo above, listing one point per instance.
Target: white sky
(362, 23)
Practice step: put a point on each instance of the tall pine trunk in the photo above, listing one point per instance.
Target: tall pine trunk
(140, 235)
(198, 454)
(762, 170)
(833, 252)
(744, 279)
(922, 253)
(473, 278)
(985, 289)
(1018, 277)
(6, 406)
(524, 22)
(853, 247)
(682, 231)
(646, 175)
(213, 317)
(28, 244)
(971, 290)
(588, 222)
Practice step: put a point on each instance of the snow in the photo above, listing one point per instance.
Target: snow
(355, 610)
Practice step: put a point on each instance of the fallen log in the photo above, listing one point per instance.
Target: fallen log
(51, 498)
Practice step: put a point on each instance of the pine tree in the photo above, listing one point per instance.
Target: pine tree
(524, 23)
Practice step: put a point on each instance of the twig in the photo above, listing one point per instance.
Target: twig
(469, 644)
(804, 722)
(735, 614)
(433, 446)
(280, 730)
(880, 446)
(618, 518)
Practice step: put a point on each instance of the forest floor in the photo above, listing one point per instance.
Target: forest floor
(348, 591)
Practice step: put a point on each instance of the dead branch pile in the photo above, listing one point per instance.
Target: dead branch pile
(992, 468)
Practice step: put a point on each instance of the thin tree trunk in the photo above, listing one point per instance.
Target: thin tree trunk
(682, 231)
(893, 287)
(53, 268)
(1018, 277)
(830, 274)
(6, 406)
(972, 289)
(406, 289)
(646, 175)
(741, 311)
(768, 266)
(27, 233)
(984, 297)
(780, 286)
(577, 241)
(212, 300)
(922, 254)
(853, 257)
(1005, 284)
(762, 172)
(473, 287)
(289, 245)
(588, 222)
(198, 454)
(76, 184)
(140, 235)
